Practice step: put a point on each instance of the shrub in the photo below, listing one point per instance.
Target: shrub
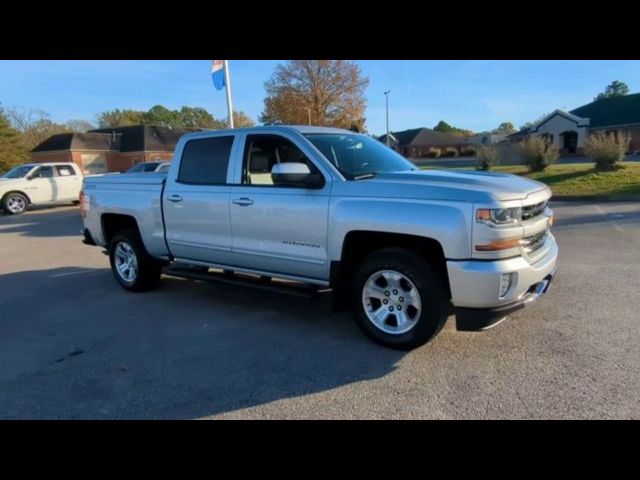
(450, 152)
(538, 153)
(434, 152)
(486, 157)
(468, 151)
(607, 149)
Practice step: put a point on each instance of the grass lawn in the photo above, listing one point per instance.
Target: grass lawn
(582, 179)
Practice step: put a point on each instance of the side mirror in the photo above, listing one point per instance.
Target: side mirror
(295, 175)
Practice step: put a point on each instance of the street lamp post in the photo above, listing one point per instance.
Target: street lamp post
(309, 112)
(386, 97)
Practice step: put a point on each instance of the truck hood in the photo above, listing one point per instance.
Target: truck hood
(6, 182)
(473, 186)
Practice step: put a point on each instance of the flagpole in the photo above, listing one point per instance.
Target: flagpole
(227, 82)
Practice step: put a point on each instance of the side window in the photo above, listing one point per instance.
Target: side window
(43, 172)
(205, 161)
(65, 171)
(262, 152)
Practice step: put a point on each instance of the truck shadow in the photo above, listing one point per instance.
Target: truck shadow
(43, 222)
(77, 346)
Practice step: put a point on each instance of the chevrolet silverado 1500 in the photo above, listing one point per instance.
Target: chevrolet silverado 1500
(404, 247)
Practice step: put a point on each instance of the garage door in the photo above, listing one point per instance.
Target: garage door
(94, 163)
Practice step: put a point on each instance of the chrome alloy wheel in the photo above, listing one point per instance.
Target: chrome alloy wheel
(126, 262)
(391, 302)
(16, 204)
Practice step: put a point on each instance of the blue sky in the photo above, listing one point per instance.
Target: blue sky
(477, 95)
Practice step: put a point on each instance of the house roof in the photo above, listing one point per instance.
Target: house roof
(132, 138)
(135, 138)
(76, 141)
(611, 111)
(424, 136)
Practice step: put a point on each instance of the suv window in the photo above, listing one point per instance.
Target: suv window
(43, 172)
(205, 161)
(65, 171)
(262, 152)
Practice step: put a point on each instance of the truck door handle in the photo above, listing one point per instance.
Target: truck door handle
(243, 202)
(174, 198)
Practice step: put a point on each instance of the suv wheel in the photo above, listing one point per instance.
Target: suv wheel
(398, 299)
(133, 268)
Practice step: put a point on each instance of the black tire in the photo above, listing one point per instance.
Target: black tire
(434, 299)
(11, 198)
(148, 268)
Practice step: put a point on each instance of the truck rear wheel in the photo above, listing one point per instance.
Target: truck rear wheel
(398, 299)
(133, 268)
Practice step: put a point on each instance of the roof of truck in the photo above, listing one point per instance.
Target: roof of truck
(304, 129)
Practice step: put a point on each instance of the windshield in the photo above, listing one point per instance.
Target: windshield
(358, 155)
(19, 172)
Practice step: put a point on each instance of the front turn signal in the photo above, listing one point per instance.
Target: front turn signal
(496, 245)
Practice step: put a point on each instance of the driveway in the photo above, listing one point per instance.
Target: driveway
(74, 345)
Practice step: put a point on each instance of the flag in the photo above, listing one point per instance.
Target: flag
(217, 74)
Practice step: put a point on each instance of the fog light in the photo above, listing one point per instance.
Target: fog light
(507, 280)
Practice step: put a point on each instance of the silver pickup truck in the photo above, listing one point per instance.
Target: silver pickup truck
(291, 206)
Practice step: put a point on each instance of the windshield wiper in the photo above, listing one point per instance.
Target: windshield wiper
(365, 176)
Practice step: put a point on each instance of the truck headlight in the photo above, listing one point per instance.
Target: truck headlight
(499, 216)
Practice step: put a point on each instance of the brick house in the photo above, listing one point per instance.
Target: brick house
(416, 142)
(569, 131)
(110, 149)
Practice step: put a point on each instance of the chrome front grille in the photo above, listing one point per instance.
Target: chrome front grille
(532, 211)
(533, 243)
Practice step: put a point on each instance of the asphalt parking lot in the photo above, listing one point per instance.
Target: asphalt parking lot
(74, 345)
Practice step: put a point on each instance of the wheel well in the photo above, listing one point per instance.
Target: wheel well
(359, 244)
(16, 191)
(112, 223)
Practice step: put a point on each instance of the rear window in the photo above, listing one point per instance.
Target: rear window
(65, 171)
(205, 161)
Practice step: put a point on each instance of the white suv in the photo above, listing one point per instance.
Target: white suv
(39, 184)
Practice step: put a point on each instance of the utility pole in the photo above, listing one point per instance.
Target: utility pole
(386, 96)
(309, 112)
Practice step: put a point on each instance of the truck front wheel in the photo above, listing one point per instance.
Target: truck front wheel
(398, 299)
(133, 268)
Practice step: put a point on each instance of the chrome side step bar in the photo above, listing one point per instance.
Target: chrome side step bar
(254, 281)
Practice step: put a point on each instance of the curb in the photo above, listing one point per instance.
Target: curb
(593, 198)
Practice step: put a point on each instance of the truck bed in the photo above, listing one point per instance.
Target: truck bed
(134, 194)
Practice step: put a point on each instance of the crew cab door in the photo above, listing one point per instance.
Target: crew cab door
(279, 229)
(196, 199)
(68, 183)
(41, 185)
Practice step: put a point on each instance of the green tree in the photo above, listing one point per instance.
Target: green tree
(120, 118)
(505, 128)
(12, 149)
(197, 117)
(444, 127)
(323, 92)
(614, 89)
(161, 115)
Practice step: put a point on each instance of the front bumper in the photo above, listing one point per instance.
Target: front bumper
(474, 319)
(475, 286)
